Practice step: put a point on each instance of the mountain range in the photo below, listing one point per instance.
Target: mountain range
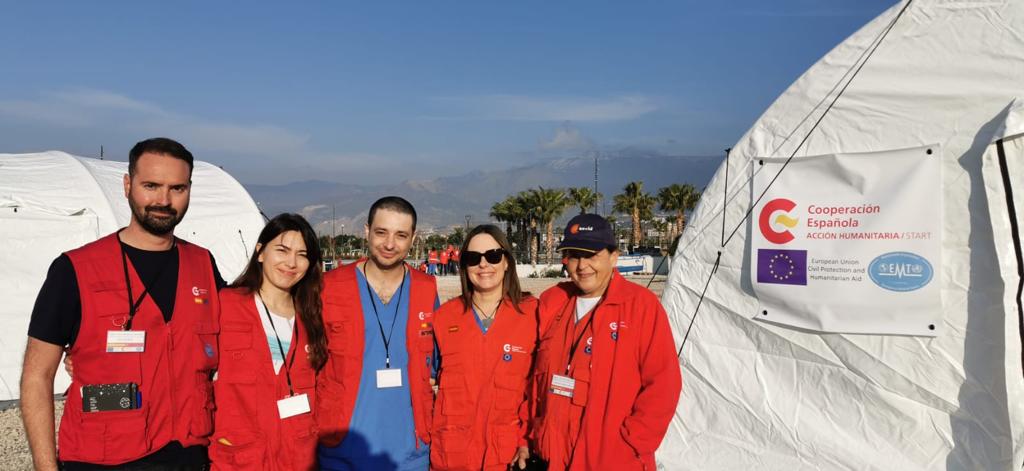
(448, 201)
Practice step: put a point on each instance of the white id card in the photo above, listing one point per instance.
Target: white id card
(389, 378)
(292, 406)
(562, 385)
(126, 341)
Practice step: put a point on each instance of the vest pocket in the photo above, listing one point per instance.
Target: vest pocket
(247, 451)
(338, 333)
(329, 397)
(235, 336)
(580, 393)
(448, 449)
(113, 436)
(509, 391)
(206, 344)
(202, 415)
(454, 394)
(505, 443)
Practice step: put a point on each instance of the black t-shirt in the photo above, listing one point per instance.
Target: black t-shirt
(57, 315)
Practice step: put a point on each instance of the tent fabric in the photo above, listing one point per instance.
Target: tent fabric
(763, 396)
(51, 202)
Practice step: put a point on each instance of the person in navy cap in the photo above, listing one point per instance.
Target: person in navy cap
(606, 380)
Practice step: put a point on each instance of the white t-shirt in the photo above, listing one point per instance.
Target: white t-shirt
(284, 332)
(585, 305)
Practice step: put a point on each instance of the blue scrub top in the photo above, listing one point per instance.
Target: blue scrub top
(382, 434)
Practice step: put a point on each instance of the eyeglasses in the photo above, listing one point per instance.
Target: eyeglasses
(472, 259)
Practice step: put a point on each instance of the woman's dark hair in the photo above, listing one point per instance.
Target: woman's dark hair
(510, 285)
(305, 293)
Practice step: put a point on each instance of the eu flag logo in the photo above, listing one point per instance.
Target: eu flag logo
(783, 267)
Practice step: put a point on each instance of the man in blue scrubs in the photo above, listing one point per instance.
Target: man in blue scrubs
(374, 393)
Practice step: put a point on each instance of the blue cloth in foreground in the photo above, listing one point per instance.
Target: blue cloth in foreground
(382, 435)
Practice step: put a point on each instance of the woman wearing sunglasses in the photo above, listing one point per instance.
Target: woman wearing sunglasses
(271, 344)
(486, 340)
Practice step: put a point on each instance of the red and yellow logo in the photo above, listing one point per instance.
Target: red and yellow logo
(574, 229)
(765, 221)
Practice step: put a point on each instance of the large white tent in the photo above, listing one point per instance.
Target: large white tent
(51, 202)
(759, 395)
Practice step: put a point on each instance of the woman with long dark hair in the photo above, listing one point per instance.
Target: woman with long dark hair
(486, 340)
(272, 344)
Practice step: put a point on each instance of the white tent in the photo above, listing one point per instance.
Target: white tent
(52, 202)
(759, 395)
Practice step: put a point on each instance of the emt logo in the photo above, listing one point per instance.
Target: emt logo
(765, 221)
(575, 228)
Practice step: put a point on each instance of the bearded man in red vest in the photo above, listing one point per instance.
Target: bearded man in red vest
(374, 396)
(141, 392)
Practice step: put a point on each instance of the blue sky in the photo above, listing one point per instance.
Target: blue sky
(375, 92)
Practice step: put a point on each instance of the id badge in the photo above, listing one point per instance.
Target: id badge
(389, 378)
(292, 406)
(562, 385)
(126, 341)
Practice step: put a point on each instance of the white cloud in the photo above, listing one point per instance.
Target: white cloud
(309, 211)
(567, 137)
(86, 108)
(532, 108)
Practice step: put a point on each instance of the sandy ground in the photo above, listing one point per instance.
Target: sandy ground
(14, 454)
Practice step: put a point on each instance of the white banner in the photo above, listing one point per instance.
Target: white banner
(850, 242)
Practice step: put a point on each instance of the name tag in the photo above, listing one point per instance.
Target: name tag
(389, 378)
(292, 406)
(562, 385)
(126, 341)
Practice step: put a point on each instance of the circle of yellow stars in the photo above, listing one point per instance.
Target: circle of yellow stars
(784, 274)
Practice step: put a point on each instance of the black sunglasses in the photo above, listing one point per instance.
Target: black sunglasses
(472, 259)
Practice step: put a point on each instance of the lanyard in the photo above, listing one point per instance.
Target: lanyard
(133, 307)
(586, 327)
(387, 339)
(280, 347)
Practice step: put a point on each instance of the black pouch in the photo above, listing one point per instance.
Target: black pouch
(110, 397)
(533, 463)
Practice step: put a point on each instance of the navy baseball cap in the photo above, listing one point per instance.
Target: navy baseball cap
(587, 232)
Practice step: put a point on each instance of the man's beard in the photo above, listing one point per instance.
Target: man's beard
(153, 224)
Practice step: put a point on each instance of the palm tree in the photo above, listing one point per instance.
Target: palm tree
(678, 199)
(638, 205)
(584, 198)
(526, 208)
(504, 212)
(550, 204)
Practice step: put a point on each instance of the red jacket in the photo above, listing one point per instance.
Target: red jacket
(338, 381)
(481, 414)
(627, 396)
(172, 373)
(247, 391)
(432, 256)
(444, 257)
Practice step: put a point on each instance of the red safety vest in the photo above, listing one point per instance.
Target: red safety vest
(338, 382)
(482, 414)
(172, 373)
(432, 256)
(627, 385)
(247, 391)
